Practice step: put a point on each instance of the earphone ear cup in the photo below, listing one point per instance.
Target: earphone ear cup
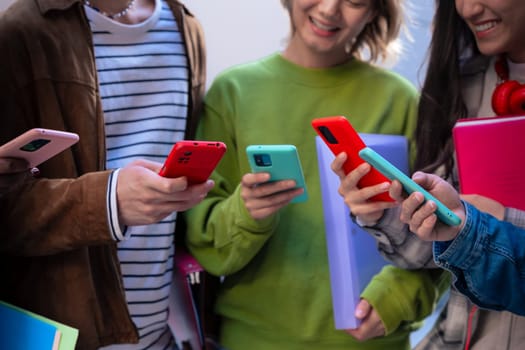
(517, 101)
(501, 96)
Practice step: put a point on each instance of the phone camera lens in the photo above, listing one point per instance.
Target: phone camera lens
(328, 135)
(35, 145)
(262, 160)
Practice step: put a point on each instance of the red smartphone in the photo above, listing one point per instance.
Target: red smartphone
(340, 136)
(194, 159)
(38, 145)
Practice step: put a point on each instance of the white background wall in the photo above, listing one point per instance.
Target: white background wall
(242, 30)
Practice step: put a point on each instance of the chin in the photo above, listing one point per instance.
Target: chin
(491, 50)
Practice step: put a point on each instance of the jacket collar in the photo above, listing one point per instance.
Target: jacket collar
(475, 65)
(48, 5)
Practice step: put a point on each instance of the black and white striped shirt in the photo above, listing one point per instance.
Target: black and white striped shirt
(143, 79)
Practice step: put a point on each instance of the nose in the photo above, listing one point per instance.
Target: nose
(329, 8)
(469, 8)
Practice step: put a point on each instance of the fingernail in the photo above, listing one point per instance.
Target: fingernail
(385, 185)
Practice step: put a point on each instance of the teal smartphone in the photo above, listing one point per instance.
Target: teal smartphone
(390, 171)
(281, 161)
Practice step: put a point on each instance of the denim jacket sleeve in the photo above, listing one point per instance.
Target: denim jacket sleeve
(487, 259)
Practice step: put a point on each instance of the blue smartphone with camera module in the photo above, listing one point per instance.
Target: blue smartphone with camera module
(390, 171)
(281, 162)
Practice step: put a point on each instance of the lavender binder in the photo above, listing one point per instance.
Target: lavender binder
(353, 256)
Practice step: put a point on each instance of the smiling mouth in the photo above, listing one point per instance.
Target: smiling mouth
(485, 26)
(323, 26)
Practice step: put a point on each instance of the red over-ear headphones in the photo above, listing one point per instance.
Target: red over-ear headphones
(509, 96)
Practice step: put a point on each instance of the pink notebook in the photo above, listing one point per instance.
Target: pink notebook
(490, 158)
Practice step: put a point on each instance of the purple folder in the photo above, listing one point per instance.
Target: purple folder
(353, 256)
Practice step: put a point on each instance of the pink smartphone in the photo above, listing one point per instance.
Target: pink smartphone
(194, 159)
(38, 145)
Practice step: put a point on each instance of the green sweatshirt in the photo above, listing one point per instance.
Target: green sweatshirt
(276, 293)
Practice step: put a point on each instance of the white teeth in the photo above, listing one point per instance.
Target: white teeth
(485, 26)
(322, 26)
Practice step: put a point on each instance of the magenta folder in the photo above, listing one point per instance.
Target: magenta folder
(353, 256)
(489, 154)
(184, 319)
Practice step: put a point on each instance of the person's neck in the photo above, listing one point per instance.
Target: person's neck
(124, 11)
(515, 58)
(309, 60)
(305, 57)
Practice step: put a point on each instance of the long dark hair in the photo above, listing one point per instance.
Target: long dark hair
(441, 101)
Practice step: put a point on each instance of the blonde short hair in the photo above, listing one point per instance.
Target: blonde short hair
(378, 40)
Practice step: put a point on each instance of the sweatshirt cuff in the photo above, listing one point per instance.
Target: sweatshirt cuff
(118, 231)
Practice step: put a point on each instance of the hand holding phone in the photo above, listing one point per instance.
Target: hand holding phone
(281, 162)
(340, 136)
(385, 167)
(195, 160)
(38, 145)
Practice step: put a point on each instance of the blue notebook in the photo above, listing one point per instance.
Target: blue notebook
(19, 330)
(353, 256)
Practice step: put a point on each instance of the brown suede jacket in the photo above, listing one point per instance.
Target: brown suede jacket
(57, 257)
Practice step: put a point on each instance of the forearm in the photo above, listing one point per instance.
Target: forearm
(485, 254)
(46, 216)
(400, 246)
(222, 235)
(400, 295)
